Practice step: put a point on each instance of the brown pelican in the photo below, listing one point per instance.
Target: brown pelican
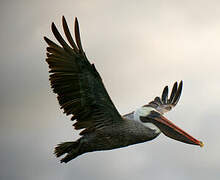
(82, 94)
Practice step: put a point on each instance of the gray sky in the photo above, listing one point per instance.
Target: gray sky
(138, 48)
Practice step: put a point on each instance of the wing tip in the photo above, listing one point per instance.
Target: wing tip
(174, 96)
(177, 93)
(63, 19)
(46, 39)
(181, 83)
(54, 28)
(76, 20)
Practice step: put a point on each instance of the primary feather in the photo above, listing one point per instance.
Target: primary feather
(77, 83)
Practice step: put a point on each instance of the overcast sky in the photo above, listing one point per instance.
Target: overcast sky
(138, 47)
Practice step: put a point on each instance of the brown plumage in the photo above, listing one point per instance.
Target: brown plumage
(82, 94)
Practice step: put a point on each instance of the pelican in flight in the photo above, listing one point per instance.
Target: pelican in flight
(82, 94)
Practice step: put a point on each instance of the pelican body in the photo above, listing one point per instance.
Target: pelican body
(82, 94)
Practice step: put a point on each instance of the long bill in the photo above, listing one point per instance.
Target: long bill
(174, 132)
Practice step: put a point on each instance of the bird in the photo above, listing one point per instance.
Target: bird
(81, 93)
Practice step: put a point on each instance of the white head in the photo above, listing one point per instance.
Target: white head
(144, 112)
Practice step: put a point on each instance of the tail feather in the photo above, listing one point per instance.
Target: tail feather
(71, 148)
(69, 157)
(63, 148)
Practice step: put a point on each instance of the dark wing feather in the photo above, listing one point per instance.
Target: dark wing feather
(77, 83)
(164, 104)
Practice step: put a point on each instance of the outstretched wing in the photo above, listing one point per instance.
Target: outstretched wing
(164, 104)
(77, 83)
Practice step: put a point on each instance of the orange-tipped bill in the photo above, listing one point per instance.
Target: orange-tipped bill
(172, 131)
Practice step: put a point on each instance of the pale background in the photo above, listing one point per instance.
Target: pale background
(138, 47)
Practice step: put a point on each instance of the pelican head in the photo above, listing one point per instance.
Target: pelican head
(154, 119)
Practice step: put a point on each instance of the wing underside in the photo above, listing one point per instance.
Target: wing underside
(78, 85)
